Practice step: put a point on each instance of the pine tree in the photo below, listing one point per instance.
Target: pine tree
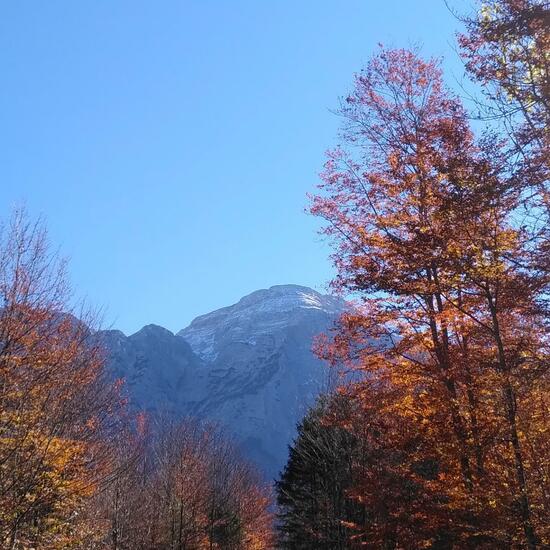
(314, 508)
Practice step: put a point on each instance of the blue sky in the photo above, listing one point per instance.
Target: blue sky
(170, 145)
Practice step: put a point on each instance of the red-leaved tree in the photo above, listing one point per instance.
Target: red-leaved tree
(450, 335)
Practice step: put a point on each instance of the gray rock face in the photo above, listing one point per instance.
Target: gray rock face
(158, 368)
(248, 366)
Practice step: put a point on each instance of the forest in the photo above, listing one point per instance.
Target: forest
(436, 434)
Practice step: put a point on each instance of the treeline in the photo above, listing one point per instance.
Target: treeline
(439, 434)
(183, 485)
(76, 469)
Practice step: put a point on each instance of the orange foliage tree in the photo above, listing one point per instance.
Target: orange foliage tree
(505, 46)
(451, 333)
(56, 410)
(183, 485)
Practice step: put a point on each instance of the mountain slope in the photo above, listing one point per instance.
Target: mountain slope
(262, 373)
(158, 368)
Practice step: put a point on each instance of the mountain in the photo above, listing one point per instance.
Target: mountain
(248, 366)
(159, 368)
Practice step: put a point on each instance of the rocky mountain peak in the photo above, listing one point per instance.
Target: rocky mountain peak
(263, 312)
(153, 331)
(288, 297)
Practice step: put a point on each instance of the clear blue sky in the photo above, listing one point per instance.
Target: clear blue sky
(170, 144)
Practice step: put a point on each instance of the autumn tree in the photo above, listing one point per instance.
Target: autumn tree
(183, 485)
(213, 498)
(451, 331)
(56, 409)
(124, 508)
(506, 47)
